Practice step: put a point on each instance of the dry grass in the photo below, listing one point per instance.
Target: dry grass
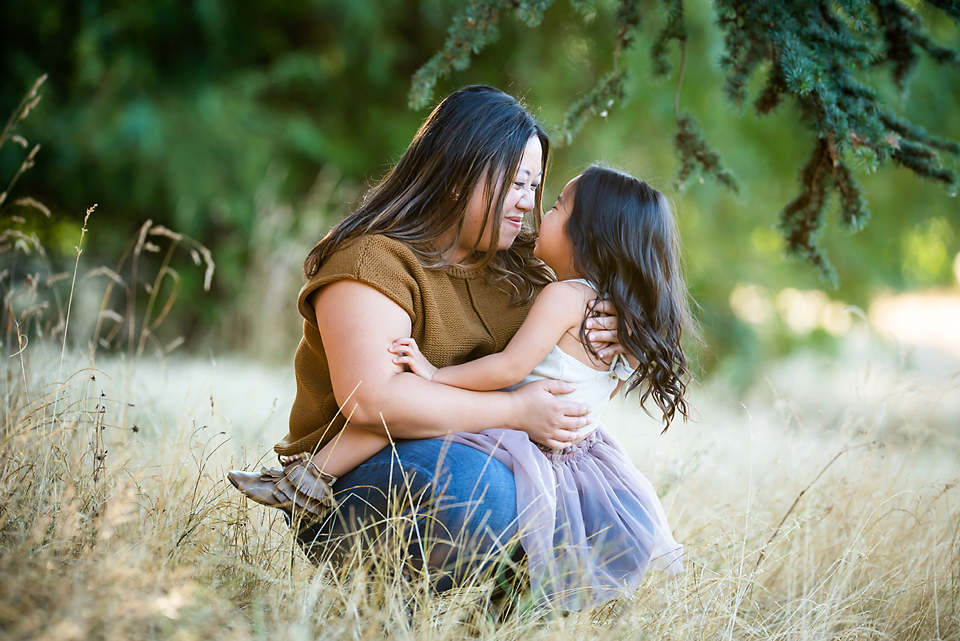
(802, 518)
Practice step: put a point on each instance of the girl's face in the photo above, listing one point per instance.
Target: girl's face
(520, 199)
(553, 246)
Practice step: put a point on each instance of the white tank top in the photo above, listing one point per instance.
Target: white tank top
(594, 387)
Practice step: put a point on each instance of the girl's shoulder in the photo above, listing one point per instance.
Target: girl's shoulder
(575, 293)
(580, 285)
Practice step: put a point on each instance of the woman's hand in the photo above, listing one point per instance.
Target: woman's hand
(548, 420)
(602, 331)
(411, 356)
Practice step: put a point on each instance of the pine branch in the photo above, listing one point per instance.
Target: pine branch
(470, 32)
(695, 155)
(924, 161)
(917, 133)
(628, 21)
(583, 7)
(949, 7)
(530, 12)
(772, 92)
(472, 29)
(597, 102)
(744, 48)
(815, 49)
(802, 219)
(899, 25)
(674, 29)
(610, 88)
(853, 208)
(856, 14)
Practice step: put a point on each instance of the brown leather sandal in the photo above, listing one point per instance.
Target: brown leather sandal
(300, 485)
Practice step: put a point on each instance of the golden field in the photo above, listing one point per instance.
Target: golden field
(821, 503)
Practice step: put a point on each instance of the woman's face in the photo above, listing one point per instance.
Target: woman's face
(553, 245)
(520, 199)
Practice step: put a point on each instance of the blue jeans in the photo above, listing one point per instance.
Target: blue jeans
(453, 509)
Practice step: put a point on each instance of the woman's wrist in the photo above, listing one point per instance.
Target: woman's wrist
(508, 409)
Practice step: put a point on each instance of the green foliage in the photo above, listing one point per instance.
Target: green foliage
(472, 30)
(814, 51)
(674, 28)
(694, 154)
(600, 100)
(252, 126)
(177, 111)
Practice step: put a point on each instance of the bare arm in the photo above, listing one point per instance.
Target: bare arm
(349, 448)
(358, 324)
(558, 309)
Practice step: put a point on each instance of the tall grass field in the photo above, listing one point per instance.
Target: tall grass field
(823, 505)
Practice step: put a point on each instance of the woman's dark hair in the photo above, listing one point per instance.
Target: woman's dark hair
(625, 241)
(474, 139)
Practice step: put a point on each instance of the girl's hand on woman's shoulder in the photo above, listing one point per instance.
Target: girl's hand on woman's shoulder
(547, 419)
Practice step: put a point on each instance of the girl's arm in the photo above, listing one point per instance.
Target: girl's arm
(559, 308)
(358, 324)
(352, 445)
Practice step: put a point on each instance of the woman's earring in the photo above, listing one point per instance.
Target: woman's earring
(456, 195)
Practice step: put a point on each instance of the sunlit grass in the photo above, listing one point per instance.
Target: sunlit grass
(806, 513)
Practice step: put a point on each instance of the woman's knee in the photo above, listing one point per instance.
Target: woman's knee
(459, 497)
(478, 493)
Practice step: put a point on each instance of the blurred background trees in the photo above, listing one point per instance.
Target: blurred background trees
(251, 127)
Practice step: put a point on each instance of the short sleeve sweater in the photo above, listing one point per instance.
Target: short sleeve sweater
(457, 315)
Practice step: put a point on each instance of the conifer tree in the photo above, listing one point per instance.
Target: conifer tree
(813, 52)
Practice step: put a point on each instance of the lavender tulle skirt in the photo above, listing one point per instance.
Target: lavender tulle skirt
(590, 523)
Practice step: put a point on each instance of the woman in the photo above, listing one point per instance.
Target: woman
(436, 252)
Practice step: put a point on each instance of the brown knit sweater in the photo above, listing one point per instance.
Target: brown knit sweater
(457, 315)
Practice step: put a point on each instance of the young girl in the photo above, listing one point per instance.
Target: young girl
(590, 523)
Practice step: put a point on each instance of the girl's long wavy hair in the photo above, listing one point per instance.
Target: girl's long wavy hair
(474, 139)
(625, 241)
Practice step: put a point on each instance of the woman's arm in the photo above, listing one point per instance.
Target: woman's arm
(559, 308)
(358, 324)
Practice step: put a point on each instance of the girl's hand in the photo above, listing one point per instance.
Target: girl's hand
(411, 356)
(602, 331)
(548, 420)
